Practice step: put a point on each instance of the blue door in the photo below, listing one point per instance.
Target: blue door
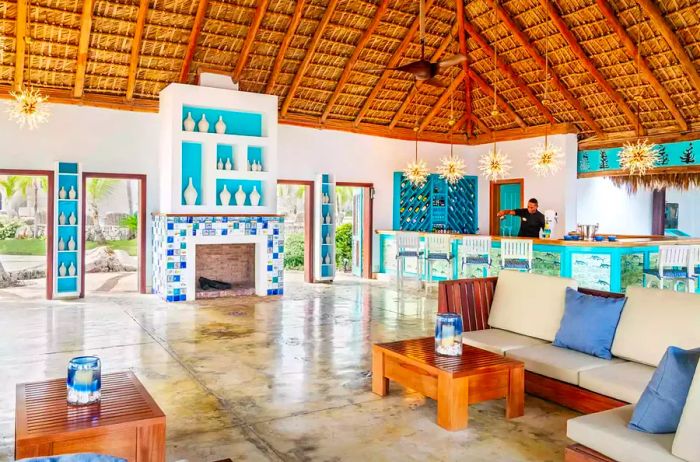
(358, 220)
(509, 195)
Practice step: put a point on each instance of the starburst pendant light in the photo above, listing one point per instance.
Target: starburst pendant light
(638, 157)
(451, 168)
(494, 165)
(417, 171)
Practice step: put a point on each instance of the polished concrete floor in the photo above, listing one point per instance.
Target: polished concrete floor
(266, 379)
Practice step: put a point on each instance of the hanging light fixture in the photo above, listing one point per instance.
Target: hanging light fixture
(494, 165)
(28, 106)
(494, 110)
(451, 168)
(545, 159)
(638, 157)
(417, 171)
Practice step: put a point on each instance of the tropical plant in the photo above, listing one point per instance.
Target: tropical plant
(294, 251)
(97, 190)
(131, 222)
(10, 186)
(8, 229)
(343, 244)
(36, 183)
(343, 201)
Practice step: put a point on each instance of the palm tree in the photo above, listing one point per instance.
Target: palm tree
(98, 189)
(343, 199)
(36, 183)
(10, 185)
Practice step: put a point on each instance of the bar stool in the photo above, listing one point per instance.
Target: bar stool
(407, 246)
(516, 254)
(477, 251)
(694, 267)
(438, 248)
(673, 265)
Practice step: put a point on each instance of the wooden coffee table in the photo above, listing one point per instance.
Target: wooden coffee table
(453, 381)
(125, 423)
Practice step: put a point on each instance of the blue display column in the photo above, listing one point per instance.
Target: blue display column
(67, 223)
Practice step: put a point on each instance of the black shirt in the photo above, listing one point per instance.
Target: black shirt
(531, 223)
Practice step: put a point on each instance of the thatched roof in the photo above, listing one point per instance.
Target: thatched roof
(317, 56)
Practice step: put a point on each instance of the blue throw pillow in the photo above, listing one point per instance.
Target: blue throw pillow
(589, 323)
(660, 407)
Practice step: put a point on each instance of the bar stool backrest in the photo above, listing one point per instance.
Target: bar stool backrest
(439, 243)
(516, 249)
(673, 256)
(694, 260)
(476, 245)
(407, 241)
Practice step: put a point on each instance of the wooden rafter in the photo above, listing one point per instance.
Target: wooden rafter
(288, 36)
(520, 133)
(483, 86)
(671, 38)
(393, 61)
(320, 29)
(465, 65)
(632, 51)
(459, 124)
(83, 44)
(441, 101)
(482, 126)
(194, 38)
(136, 48)
(366, 35)
(587, 63)
(524, 41)
(20, 44)
(470, 117)
(414, 89)
(250, 38)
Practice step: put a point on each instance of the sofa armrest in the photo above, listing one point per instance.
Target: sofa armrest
(471, 298)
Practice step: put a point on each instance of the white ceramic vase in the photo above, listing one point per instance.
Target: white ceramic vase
(189, 123)
(62, 193)
(255, 197)
(72, 194)
(219, 165)
(71, 269)
(203, 125)
(228, 165)
(190, 194)
(71, 243)
(240, 196)
(220, 126)
(61, 219)
(61, 244)
(62, 270)
(225, 196)
(71, 219)
(328, 239)
(328, 259)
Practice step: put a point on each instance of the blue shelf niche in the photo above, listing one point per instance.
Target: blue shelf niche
(224, 152)
(68, 167)
(237, 122)
(232, 186)
(191, 168)
(67, 258)
(67, 284)
(67, 207)
(67, 181)
(255, 153)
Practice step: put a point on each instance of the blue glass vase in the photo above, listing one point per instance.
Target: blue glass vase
(448, 334)
(84, 380)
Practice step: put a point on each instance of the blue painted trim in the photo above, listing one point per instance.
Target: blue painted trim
(237, 122)
(191, 168)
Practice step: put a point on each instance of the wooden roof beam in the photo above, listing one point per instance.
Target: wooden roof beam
(632, 51)
(470, 117)
(508, 71)
(441, 101)
(136, 48)
(250, 38)
(657, 18)
(414, 90)
(459, 124)
(194, 38)
(465, 64)
(393, 61)
(587, 63)
(366, 35)
(524, 41)
(288, 36)
(20, 43)
(483, 86)
(83, 45)
(318, 34)
(511, 134)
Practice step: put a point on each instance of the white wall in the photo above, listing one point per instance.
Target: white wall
(688, 209)
(613, 208)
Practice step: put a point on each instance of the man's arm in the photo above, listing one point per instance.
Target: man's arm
(509, 212)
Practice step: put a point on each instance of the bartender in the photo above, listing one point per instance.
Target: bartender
(532, 219)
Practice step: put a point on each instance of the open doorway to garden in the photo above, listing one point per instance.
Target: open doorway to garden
(25, 236)
(295, 203)
(114, 235)
(354, 232)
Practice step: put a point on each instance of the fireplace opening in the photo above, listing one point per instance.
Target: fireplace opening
(232, 264)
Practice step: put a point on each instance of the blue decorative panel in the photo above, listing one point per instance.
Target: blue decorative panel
(224, 152)
(232, 186)
(591, 271)
(237, 123)
(192, 168)
(67, 167)
(680, 154)
(67, 284)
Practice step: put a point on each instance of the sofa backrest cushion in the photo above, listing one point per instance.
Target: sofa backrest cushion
(529, 304)
(653, 320)
(685, 443)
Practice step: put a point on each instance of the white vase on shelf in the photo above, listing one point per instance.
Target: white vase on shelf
(219, 165)
(190, 194)
(228, 165)
(240, 196)
(203, 125)
(61, 244)
(71, 193)
(188, 123)
(327, 260)
(250, 167)
(328, 239)
(71, 243)
(220, 126)
(62, 270)
(61, 219)
(71, 269)
(62, 193)
(225, 196)
(71, 219)
(328, 219)
(255, 197)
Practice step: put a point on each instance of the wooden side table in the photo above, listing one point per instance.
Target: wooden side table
(453, 381)
(126, 423)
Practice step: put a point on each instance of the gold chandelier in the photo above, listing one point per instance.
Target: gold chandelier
(494, 165)
(417, 171)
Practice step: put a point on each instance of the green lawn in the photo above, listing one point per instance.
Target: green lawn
(38, 246)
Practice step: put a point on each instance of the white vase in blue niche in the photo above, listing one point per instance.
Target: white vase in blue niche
(448, 334)
(203, 125)
(190, 193)
(220, 126)
(240, 196)
(84, 380)
(255, 197)
(225, 196)
(189, 123)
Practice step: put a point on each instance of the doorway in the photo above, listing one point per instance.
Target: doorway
(355, 203)
(26, 233)
(114, 233)
(295, 201)
(506, 195)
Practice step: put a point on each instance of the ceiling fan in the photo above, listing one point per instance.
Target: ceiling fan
(423, 70)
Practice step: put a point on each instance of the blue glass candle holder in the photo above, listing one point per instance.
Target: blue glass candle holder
(84, 380)
(448, 334)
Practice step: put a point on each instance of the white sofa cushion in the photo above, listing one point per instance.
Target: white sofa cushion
(498, 341)
(686, 444)
(625, 381)
(529, 304)
(607, 433)
(653, 320)
(557, 363)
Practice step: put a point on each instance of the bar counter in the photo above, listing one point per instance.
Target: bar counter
(609, 266)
